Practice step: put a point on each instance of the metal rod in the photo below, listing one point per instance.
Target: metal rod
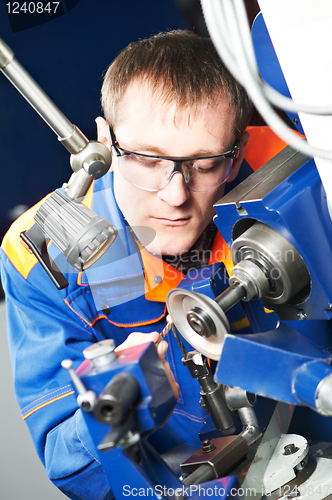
(214, 399)
(179, 341)
(251, 430)
(165, 331)
(238, 398)
(231, 296)
(202, 474)
(39, 100)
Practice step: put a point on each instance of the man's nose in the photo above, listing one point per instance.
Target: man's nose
(176, 192)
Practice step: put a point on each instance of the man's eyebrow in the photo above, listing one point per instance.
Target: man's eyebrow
(145, 148)
(140, 147)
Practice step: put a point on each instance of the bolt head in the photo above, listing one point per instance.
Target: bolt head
(98, 349)
(67, 364)
(289, 449)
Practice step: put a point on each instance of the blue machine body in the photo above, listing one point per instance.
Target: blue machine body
(156, 401)
(151, 476)
(294, 350)
(156, 396)
(296, 207)
(268, 64)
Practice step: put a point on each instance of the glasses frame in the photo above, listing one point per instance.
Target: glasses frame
(232, 154)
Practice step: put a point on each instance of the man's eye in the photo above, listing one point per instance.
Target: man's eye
(206, 165)
(147, 162)
(210, 165)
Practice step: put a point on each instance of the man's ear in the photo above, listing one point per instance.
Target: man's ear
(240, 157)
(103, 134)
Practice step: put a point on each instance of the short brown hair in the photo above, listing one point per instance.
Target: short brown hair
(184, 67)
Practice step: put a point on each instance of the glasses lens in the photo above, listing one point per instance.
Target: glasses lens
(153, 174)
(208, 173)
(147, 173)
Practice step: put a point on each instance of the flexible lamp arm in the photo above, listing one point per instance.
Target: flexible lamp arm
(89, 159)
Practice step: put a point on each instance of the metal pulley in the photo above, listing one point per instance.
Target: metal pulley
(267, 266)
(199, 319)
(272, 254)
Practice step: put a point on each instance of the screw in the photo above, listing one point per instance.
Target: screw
(106, 309)
(202, 403)
(289, 449)
(301, 315)
(207, 446)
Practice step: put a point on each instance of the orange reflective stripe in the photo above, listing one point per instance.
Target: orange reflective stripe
(80, 316)
(141, 323)
(20, 256)
(160, 277)
(48, 403)
(79, 280)
(263, 145)
(102, 316)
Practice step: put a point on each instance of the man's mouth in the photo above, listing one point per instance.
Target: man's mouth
(181, 221)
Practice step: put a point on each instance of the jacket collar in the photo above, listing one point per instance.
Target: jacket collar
(126, 260)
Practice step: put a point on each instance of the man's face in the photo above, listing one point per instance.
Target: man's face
(176, 214)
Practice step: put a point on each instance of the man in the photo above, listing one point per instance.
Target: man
(171, 97)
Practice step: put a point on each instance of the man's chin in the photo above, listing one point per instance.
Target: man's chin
(158, 247)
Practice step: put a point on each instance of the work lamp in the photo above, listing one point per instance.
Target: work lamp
(80, 234)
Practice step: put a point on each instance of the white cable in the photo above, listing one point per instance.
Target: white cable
(221, 21)
(220, 31)
(277, 99)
